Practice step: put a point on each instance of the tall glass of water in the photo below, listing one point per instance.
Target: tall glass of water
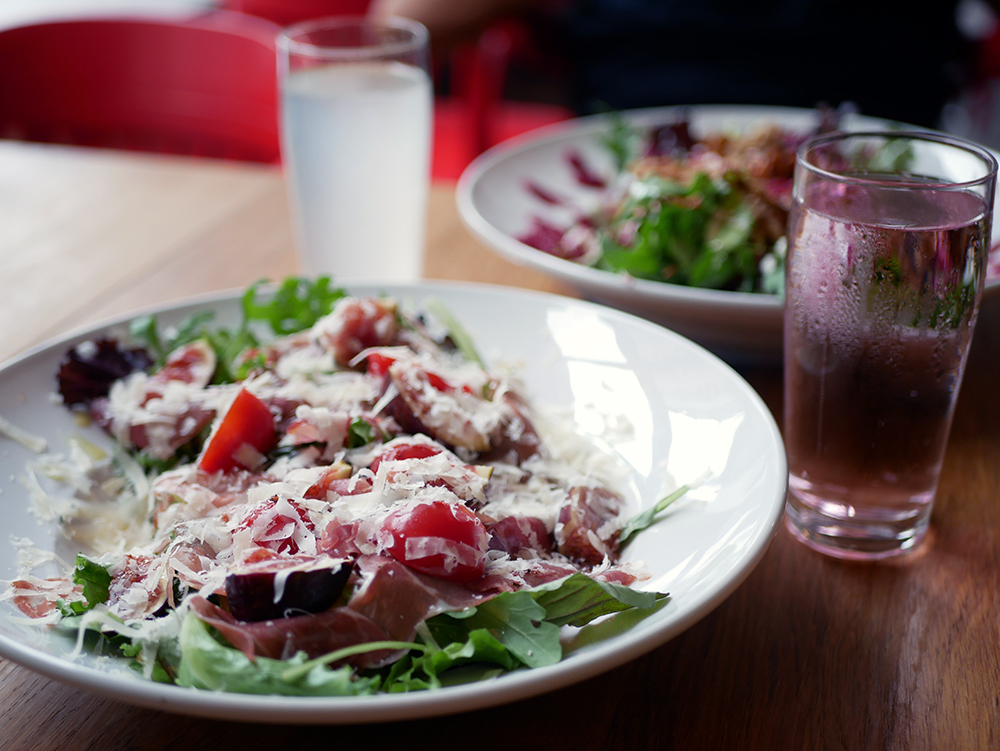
(888, 241)
(356, 140)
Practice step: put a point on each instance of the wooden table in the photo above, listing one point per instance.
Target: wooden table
(808, 653)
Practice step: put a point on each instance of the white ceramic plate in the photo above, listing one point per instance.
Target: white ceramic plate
(669, 409)
(497, 206)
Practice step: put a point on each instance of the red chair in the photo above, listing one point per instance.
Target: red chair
(477, 116)
(473, 115)
(287, 12)
(204, 86)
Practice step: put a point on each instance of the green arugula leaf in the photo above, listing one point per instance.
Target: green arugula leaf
(295, 305)
(646, 518)
(106, 636)
(228, 346)
(698, 234)
(145, 329)
(527, 623)
(456, 330)
(609, 628)
(622, 140)
(94, 578)
(517, 622)
(577, 600)
(360, 433)
(479, 656)
(208, 664)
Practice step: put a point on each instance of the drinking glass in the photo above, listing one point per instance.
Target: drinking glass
(888, 240)
(356, 139)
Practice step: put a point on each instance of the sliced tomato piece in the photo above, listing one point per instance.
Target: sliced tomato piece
(245, 432)
(402, 451)
(191, 363)
(377, 364)
(439, 538)
(277, 532)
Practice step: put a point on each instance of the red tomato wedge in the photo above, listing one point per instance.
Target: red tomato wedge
(246, 432)
(442, 539)
(405, 451)
(378, 364)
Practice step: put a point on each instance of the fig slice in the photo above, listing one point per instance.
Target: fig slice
(264, 593)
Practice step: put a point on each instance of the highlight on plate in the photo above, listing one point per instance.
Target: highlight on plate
(350, 503)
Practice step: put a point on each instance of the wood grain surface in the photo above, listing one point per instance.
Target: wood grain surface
(808, 653)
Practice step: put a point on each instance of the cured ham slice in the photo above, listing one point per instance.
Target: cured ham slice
(281, 638)
(397, 598)
(587, 530)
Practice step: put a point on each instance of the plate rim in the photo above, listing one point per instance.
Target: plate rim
(391, 707)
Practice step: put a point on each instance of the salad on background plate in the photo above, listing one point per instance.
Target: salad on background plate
(676, 214)
(352, 506)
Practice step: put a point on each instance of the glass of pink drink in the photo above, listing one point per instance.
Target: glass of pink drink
(888, 240)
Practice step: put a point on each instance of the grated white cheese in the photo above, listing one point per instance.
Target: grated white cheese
(30, 441)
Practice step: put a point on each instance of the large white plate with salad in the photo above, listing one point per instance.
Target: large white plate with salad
(662, 410)
(522, 196)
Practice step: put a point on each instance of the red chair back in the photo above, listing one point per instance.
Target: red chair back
(287, 12)
(205, 86)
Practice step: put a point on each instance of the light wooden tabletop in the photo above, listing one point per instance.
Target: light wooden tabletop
(807, 653)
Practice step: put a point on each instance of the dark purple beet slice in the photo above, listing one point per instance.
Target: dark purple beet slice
(582, 171)
(670, 139)
(269, 595)
(88, 370)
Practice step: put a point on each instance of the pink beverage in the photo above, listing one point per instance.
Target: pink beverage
(883, 287)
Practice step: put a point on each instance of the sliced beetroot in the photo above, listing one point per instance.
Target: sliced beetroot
(583, 172)
(673, 139)
(88, 370)
(544, 236)
(263, 595)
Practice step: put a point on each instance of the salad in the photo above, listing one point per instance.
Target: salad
(337, 497)
(705, 212)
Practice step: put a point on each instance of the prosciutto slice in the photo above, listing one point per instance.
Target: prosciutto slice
(396, 598)
(316, 635)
